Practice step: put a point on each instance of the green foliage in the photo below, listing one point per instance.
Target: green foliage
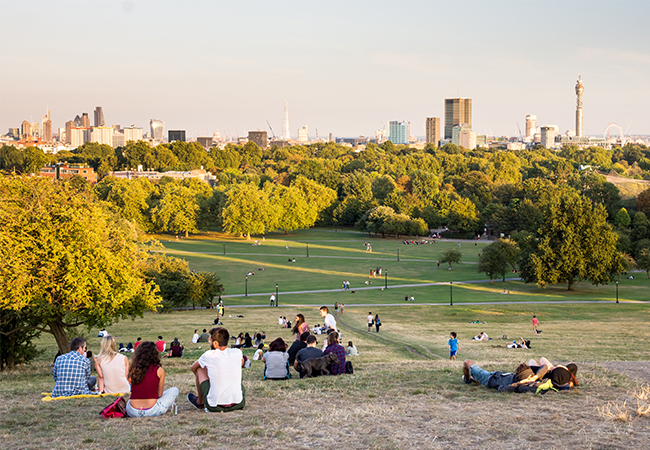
(496, 258)
(65, 260)
(451, 256)
(177, 210)
(16, 339)
(248, 211)
(463, 216)
(622, 218)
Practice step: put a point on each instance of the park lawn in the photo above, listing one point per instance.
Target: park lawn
(404, 392)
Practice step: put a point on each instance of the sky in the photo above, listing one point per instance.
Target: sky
(344, 67)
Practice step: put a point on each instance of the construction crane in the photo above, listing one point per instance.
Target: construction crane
(316, 133)
(520, 135)
(271, 128)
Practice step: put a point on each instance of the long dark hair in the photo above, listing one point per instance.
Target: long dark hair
(299, 321)
(278, 346)
(146, 355)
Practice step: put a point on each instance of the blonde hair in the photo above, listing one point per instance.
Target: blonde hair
(109, 349)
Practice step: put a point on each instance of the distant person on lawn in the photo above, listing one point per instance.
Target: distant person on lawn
(330, 321)
(218, 376)
(205, 337)
(161, 345)
(71, 371)
(535, 323)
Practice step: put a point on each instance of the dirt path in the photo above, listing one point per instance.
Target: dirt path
(637, 370)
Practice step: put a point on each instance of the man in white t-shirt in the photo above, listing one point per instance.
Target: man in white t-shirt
(218, 376)
(195, 338)
(371, 321)
(330, 321)
(272, 300)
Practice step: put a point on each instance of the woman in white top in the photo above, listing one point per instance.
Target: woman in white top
(112, 368)
(351, 350)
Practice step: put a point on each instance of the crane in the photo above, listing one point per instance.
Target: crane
(271, 128)
(520, 135)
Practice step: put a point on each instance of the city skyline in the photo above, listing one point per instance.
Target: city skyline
(344, 68)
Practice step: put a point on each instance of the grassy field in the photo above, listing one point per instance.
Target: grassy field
(405, 393)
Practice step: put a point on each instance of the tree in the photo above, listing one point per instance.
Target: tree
(291, 208)
(643, 201)
(382, 187)
(574, 243)
(643, 260)
(463, 216)
(247, 211)
(496, 257)
(177, 211)
(622, 218)
(451, 256)
(65, 260)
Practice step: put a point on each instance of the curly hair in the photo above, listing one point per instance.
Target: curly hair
(278, 346)
(146, 355)
(300, 319)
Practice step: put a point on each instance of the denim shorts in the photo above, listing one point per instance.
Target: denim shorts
(162, 405)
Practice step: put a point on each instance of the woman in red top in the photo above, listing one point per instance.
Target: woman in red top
(147, 380)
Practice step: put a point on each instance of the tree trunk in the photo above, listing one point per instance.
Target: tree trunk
(187, 234)
(57, 329)
(286, 232)
(570, 282)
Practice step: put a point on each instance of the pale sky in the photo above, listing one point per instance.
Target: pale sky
(344, 67)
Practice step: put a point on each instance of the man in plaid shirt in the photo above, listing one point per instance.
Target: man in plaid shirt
(72, 371)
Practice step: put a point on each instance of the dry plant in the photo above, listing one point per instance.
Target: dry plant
(615, 412)
(642, 401)
(622, 412)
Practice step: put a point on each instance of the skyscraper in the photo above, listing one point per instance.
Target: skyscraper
(157, 129)
(85, 121)
(579, 90)
(176, 135)
(99, 117)
(286, 133)
(433, 130)
(531, 125)
(398, 132)
(458, 111)
(46, 126)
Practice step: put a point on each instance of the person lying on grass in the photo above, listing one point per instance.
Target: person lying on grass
(218, 376)
(525, 379)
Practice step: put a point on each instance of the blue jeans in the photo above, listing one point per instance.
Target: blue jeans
(162, 405)
(480, 375)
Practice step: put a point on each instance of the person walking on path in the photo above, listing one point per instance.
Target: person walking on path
(535, 323)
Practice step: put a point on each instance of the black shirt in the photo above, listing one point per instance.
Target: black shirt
(294, 349)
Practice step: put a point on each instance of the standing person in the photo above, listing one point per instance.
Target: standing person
(71, 371)
(112, 368)
(330, 321)
(218, 376)
(196, 337)
(160, 345)
(333, 346)
(272, 300)
(276, 361)
(300, 326)
(453, 346)
(377, 322)
(371, 321)
(336, 308)
(535, 323)
(148, 395)
(342, 309)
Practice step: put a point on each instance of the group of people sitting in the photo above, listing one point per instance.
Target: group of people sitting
(481, 337)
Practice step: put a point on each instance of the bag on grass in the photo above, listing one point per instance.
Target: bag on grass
(115, 410)
(348, 367)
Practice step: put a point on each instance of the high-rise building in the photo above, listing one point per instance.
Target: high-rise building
(157, 129)
(433, 130)
(580, 88)
(79, 136)
(286, 133)
(69, 125)
(102, 135)
(176, 135)
(531, 126)
(259, 137)
(85, 121)
(205, 141)
(303, 134)
(118, 138)
(47, 131)
(398, 132)
(457, 131)
(132, 133)
(26, 131)
(457, 111)
(548, 134)
(467, 139)
(99, 117)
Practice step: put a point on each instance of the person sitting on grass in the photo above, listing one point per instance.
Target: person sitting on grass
(205, 337)
(148, 395)
(218, 376)
(333, 346)
(481, 337)
(297, 346)
(351, 350)
(309, 352)
(259, 352)
(71, 371)
(112, 368)
(276, 361)
(300, 326)
(195, 337)
(175, 350)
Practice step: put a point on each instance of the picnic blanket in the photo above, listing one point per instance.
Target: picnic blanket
(48, 396)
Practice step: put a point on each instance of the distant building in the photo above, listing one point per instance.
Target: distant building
(85, 121)
(286, 132)
(398, 132)
(118, 139)
(102, 135)
(353, 141)
(303, 134)
(531, 126)
(433, 130)
(132, 133)
(380, 136)
(205, 141)
(157, 129)
(456, 132)
(580, 88)
(199, 174)
(69, 125)
(259, 137)
(176, 135)
(79, 136)
(14, 133)
(99, 117)
(62, 171)
(47, 131)
(457, 111)
(548, 134)
(26, 131)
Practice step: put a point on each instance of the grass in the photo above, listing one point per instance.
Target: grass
(404, 393)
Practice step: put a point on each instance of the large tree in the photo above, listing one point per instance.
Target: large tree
(248, 211)
(66, 260)
(496, 257)
(573, 243)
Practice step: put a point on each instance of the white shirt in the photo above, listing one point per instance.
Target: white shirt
(272, 297)
(280, 321)
(224, 372)
(195, 338)
(370, 318)
(257, 354)
(330, 322)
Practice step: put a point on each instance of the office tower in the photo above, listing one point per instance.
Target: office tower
(14, 133)
(157, 129)
(303, 134)
(205, 141)
(26, 131)
(398, 132)
(102, 135)
(456, 132)
(580, 88)
(99, 117)
(85, 121)
(286, 134)
(433, 130)
(531, 126)
(548, 135)
(118, 138)
(77, 121)
(69, 125)
(132, 133)
(467, 138)
(176, 135)
(79, 136)
(457, 111)
(259, 137)
(47, 131)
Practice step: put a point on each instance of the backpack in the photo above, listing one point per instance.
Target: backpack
(348, 367)
(115, 410)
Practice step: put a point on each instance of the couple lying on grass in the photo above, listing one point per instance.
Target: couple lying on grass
(530, 377)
